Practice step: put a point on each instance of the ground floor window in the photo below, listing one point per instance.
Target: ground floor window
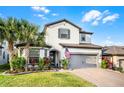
(34, 54)
(33, 60)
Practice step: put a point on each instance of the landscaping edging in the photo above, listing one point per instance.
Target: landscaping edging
(11, 74)
(21, 73)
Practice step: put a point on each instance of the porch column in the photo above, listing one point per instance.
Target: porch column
(19, 52)
(98, 60)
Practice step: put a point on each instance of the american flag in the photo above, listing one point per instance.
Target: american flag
(67, 53)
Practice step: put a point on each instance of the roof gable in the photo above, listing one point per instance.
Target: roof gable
(59, 21)
(71, 23)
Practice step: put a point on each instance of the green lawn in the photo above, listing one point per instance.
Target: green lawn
(43, 79)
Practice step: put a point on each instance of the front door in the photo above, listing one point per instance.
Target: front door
(53, 58)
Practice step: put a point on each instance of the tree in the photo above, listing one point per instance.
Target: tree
(28, 33)
(40, 39)
(8, 32)
(13, 30)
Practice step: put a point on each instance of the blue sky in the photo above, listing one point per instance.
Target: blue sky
(107, 23)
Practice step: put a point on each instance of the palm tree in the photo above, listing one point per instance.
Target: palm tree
(8, 32)
(13, 30)
(40, 39)
(28, 34)
(2, 24)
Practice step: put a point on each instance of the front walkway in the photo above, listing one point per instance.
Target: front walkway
(101, 77)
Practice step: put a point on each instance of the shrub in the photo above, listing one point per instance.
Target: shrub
(104, 64)
(65, 63)
(41, 63)
(5, 66)
(18, 63)
(47, 63)
(120, 69)
(44, 63)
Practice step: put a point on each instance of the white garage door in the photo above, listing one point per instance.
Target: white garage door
(82, 61)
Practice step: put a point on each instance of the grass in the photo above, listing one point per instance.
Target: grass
(44, 79)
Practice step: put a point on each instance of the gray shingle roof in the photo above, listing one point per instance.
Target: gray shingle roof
(65, 20)
(113, 50)
(52, 23)
(31, 44)
(84, 45)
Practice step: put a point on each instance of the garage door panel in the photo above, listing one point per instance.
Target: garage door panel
(82, 61)
(91, 59)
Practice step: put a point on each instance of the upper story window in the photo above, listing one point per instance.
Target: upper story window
(83, 37)
(64, 33)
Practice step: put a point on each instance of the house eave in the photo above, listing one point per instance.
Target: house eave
(112, 54)
(31, 45)
(85, 32)
(81, 46)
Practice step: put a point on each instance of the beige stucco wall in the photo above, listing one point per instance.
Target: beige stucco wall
(116, 60)
(52, 39)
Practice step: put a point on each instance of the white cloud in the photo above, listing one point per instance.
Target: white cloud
(91, 15)
(55, 14)
(108, 42)
(95, 17)
(41, 16)
(110, 18)
(42, 9)
(106, 12)
(95, 23)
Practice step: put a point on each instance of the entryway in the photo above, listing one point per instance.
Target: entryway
(54, 58)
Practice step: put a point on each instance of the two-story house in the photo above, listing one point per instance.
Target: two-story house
(62, 35)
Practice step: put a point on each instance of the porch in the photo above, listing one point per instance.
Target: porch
(34, 53)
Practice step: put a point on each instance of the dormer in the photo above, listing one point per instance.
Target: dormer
(85, 37)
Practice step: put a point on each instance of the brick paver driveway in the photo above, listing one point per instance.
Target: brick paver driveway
(101, 77)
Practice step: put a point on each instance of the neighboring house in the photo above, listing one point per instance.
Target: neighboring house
(115, 54)
(3, 56)
(62, 35)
